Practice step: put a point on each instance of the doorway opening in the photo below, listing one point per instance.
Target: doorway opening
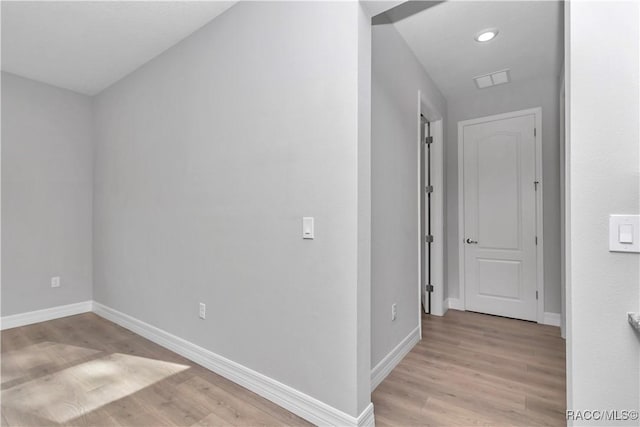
(425, 212)
(416, 47)
(431, 210)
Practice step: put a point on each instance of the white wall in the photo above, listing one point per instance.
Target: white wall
(363, 360)
(501, 99)
(396, 78)
(206, 160)
(603, 352)
(46, 195)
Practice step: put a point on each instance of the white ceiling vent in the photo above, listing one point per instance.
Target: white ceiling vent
(492, 79)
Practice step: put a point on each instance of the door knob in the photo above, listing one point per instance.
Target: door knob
(472, 242)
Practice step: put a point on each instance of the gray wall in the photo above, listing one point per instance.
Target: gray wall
(363, 361)
(603, 352)
(396, 78)
(206, 160)
(502, 99)
(46, 195)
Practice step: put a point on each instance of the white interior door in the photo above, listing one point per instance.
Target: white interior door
(499, 161)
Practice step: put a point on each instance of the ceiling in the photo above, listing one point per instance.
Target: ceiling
(529, 43)
(87, 46)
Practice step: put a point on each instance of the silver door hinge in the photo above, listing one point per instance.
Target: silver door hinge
(536, 240)
(428, 238)
(428, 140)
(535, 132)
(429, 288)
(535, 185)
(536, 294)
(429, 188)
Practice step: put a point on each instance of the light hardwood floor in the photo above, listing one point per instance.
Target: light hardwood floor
(474, 369)
(86, 371)
(469, 369)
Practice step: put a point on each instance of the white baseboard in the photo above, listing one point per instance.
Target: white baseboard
(391, 360)
(301, 404)
(37, 316)
(552, 319)
(366, 418)
(455, 304)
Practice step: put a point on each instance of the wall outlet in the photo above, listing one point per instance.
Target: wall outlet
(203, 311)
(394, 311)
(55, 282)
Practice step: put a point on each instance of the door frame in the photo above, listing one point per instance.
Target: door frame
(537, 113)
(428, 109)
(564, 179)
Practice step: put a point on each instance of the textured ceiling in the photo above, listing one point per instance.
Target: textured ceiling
(87, 46)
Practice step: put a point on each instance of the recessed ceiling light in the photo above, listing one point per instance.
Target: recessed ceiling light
(486, 35)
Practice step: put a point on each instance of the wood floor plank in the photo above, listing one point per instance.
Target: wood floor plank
(284, 417)
(475, 369)
(212, 420)
(226, 405)
(470, 369)
(86, 371)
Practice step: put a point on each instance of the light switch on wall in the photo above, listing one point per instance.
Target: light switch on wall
(624, 233)
(308, 231)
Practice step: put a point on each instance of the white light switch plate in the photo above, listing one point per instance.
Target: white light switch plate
(308, 231)
(624, 233)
